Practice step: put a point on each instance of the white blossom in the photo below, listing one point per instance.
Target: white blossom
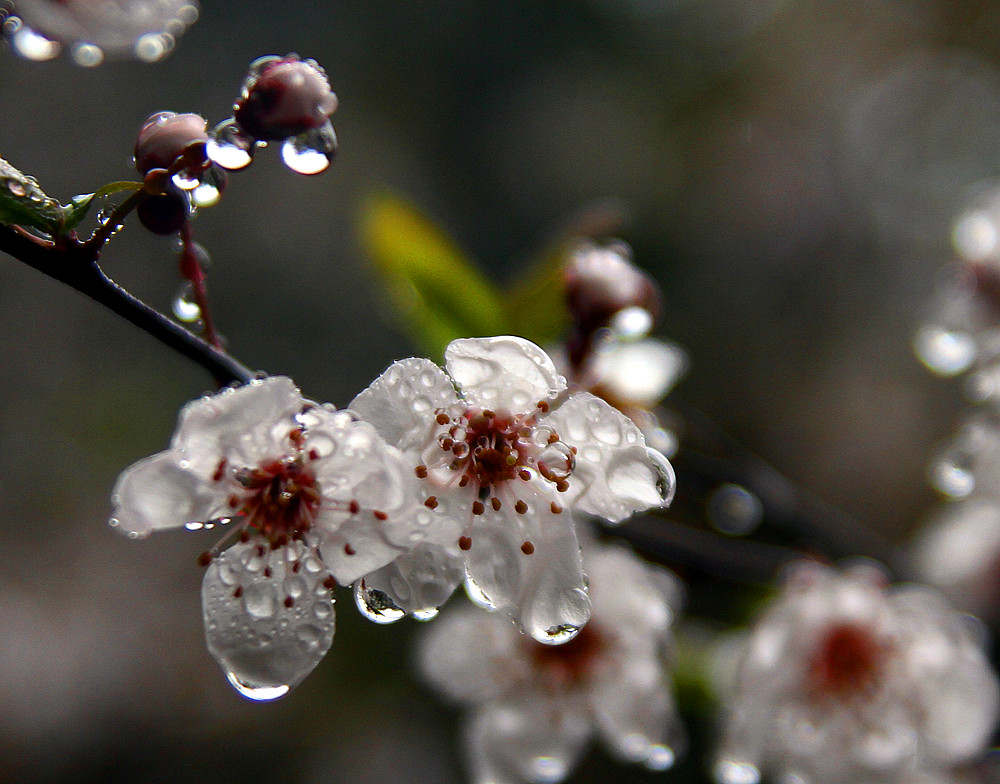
(534, 707)
(504, 454)
(844, 680)
(309, 492)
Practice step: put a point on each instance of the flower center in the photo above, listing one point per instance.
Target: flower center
(847, 662)
(280, 499)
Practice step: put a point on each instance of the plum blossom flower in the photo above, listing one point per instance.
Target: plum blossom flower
(312, 494)
(504, 453)
(845, 680)
(535, 707)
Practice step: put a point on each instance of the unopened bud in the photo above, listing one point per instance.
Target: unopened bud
(165, 136)
(283, 97)
(602, 281)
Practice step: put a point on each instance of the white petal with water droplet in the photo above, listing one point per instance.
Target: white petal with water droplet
(502, 372)
(265, 646)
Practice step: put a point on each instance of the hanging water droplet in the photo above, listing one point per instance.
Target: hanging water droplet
(255, 692)
(229, 147)
(207, 194)
(185, 180)
(184, 306)
(666, 481)
(376, 605)
(556, 635)
(548, 770)
(194, 526)
(631, 323)
(310, 152)
(425, 614)
(945, 352)
(16, 187)
(87, 55)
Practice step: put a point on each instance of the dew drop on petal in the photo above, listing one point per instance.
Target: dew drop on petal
(259, 600)
(425, 614)
(185, 181)
(258, 693)
(945, 352)
(229, 147)
(730, 771)
(376, 605)
(666, 482)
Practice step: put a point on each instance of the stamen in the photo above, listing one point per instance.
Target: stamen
(431, 502)
(205, 558)
(348, 550)
(527, 548)
(543, 406)
(556, 509)
(289, 602)
(495, 503)
(355, 507)
(478, 508)
(421, 471)
(380, 515)
(464, 543)
(329, 582)
(443, 419)
(520, 507)
(238, 592)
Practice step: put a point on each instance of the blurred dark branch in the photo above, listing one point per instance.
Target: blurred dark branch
(76, 265)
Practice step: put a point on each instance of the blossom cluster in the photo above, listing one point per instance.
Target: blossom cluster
(432, 477)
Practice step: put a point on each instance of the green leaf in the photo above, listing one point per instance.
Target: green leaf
(436, 291)
(23, 203)
(77, 209)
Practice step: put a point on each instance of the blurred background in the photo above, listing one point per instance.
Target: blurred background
(792, 171)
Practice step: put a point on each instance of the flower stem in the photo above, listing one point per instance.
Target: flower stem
(75, 264)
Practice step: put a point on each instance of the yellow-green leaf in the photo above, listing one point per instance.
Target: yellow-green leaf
(436, 291)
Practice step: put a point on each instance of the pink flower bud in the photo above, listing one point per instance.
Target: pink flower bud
(283, 97)
(165, 136)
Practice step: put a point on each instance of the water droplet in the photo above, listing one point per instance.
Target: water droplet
(557, 460)
(944, 351)
(734, 510)
(184, 306)
(35, 46)
(310, 636)
(660, 757)
(952, 474)
(421, 403)
(227, 573)
(548, 770)
(311, 152)
(254, 692)
(185, 181)
(631, 323)
(295, 586)
(229, 147)
(87, 55)
(258, 600)
(194, 525)
(322, 610)
(207, 194)
(666, 480)
(557, 635)
(376, 605)
(729, 771)
(425, 614)
(153, 46)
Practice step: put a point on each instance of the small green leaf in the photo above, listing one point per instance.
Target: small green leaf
(436, 291)
(77, 209)
(23, 203)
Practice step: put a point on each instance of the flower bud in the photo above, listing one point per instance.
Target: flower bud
(165, 213)
(165, 136)
(602, 281)
(283, 97)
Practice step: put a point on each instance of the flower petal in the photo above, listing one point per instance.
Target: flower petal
(615, 473)
(400, 402)
(244, 424)
(502, 372)
(528, 566)
(158, 493)
(632, 707)
(473, 656)
(526, 739)
(419, 582)
(267, 622)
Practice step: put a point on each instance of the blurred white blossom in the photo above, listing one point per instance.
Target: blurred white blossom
(845, 680)
(505, 453)
(533, 707)
(310, 491)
